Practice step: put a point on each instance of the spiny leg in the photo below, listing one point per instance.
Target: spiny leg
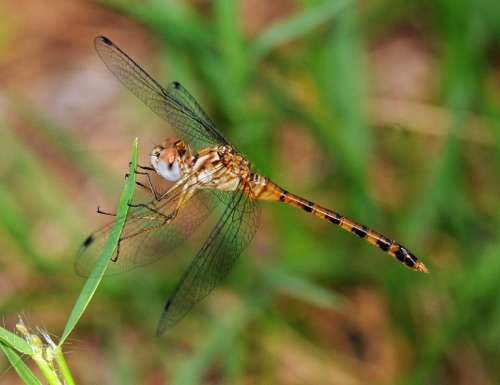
(160, 216)
(150, 185)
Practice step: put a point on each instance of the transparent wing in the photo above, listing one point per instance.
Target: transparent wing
(233, 232)
(174, 104)
(148, 234)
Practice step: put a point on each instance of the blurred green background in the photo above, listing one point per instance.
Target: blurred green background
(386, 111)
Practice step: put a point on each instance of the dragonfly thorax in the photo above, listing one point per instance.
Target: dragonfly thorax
(219, 167)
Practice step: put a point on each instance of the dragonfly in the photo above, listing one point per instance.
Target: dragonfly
(202, 171)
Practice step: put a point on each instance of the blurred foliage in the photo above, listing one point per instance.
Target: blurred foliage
(306, 302)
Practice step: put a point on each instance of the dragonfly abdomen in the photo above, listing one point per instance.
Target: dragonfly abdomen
(265, 189)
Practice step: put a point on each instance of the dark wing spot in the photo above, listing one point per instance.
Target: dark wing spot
(105, 40)
(88, 241)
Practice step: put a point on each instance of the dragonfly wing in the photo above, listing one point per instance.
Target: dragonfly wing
(194, 110)
(174, 104)
(148, 234)
(233, 232)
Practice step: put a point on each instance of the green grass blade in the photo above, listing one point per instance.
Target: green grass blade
(108, 250)
(15, 341)
(19, 366)
(303, 289)
(296, 27)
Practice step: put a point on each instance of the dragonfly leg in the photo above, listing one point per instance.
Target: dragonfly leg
(159, 215)
(115, 258)
(99, 211)
(149, 187)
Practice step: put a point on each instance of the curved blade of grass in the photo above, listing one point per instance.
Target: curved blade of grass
(19, 366)
(300, 287)
(14, 341)
(295, 27)
(107, 252)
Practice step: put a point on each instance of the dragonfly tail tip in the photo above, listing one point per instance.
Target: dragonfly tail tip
(421, 267)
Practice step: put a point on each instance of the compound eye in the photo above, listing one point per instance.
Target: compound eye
(165, 161)
(155, 155)
(169, 171)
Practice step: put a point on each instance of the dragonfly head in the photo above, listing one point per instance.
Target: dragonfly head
(165, 159)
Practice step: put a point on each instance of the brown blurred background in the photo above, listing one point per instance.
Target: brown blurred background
(385, 111)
